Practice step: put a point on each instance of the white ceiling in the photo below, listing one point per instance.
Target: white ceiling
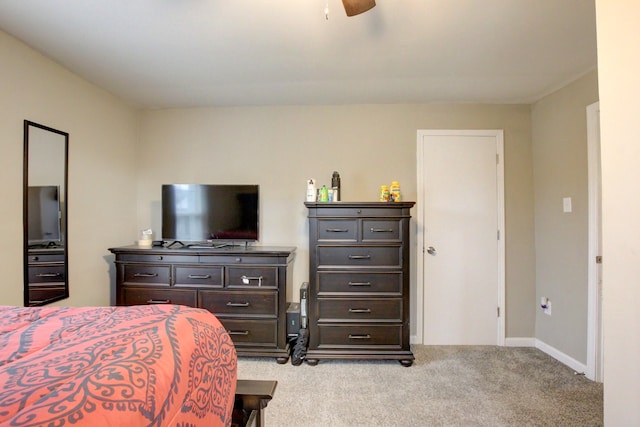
(186, 53)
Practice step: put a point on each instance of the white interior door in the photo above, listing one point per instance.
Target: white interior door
(462, 223)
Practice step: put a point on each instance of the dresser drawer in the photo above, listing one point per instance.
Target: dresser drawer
(337, 211)
(338, 282)
(44, 258)
(198, 276)
(46, 273)
(40, 294)
(193, 259)
(144, 295)
(260, 333)
(337, 230)
(362, 336)
(239, 303)
(252, 277)
(359, 310)
(374, 230)
(141, 274)
(359, 256)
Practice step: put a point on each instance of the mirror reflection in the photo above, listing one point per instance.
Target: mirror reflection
(45, 214)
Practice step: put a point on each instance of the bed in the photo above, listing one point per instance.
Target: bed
(148, 365)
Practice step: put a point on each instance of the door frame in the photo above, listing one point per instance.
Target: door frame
(595, 345)
(498, 134)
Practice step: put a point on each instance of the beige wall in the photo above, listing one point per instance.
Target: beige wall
(279, 148)
(559, 130)
(102, 132)
(619, 82)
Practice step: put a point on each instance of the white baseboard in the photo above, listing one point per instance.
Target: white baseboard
(520, 342)
(546, 348)
(578, 367)
(413, 339)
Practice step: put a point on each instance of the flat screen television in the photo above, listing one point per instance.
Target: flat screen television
(43, 214)
(209, 213)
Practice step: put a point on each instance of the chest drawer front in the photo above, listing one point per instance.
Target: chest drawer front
(193, 259)
(137, 296)
(360, 336)
(332, 282)
(46, 273)
(198, 276)
(359, 310)
(337, 230)
(44, 258)
(359, 256)
(252, 277)
(381, 230)
(362, 212)
(240, 304)
(260, 333)
(141, 274)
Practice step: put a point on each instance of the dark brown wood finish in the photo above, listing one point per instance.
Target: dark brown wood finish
(245, 287)
(46, 275)
(359, 281)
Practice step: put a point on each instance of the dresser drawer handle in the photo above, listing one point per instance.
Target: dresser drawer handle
(237, 304)
(199, 276)
(359, 256)
(337, 230)
(359, 283)
(145, 275)
(359, 337)
(381, 230)
(159, 301)
(359, 310)
(238, 332)
(49, 275)
(246, 280)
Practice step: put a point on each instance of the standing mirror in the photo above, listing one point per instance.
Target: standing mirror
(45, 214)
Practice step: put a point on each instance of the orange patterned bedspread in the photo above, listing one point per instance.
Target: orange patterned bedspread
(151, 365)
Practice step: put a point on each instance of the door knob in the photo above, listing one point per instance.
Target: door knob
(431, 250)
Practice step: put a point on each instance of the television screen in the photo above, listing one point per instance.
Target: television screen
(43, 214)
(204, 212)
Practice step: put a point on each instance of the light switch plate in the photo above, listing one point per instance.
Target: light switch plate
(566, 204)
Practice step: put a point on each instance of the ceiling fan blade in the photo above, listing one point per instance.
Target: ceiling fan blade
(356, 7)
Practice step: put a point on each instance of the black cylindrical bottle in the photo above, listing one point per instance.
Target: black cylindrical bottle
(335, 186)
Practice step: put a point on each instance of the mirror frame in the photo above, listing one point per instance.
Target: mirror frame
(63, 209)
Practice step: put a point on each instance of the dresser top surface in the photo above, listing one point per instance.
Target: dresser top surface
(200, 250)
(359, 204)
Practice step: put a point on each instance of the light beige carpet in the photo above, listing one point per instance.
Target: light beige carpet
(446, 386)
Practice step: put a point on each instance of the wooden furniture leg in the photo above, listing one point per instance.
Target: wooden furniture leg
(254, 396)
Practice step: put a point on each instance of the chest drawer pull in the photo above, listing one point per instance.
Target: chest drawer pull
(247, 279)
(359, 256)
(199, 276)
(145, 275)
(237, 304)
(238, 332)
(159, 301)
(337, 230)
(381, 230)
(359, 337)
(359, 310)
(49, 275)
(359, 283)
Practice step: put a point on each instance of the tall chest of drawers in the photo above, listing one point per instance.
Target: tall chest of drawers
(244, 287)
(359, 303)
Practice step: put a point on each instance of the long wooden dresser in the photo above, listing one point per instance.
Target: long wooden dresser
(245, 287)
(359, 281)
